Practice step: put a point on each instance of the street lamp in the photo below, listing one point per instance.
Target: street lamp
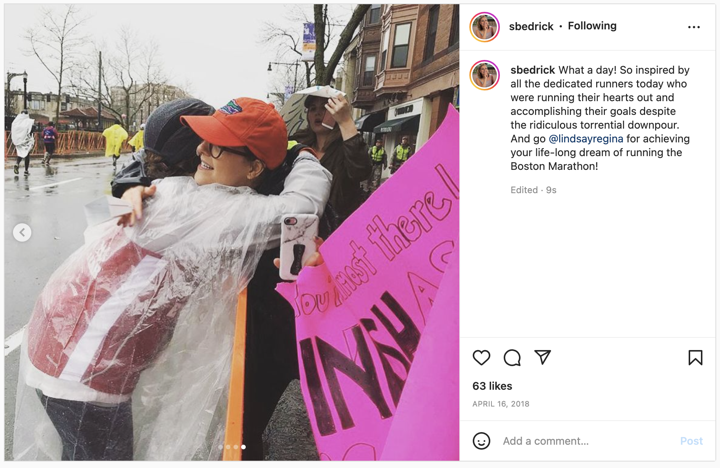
(8, 99)
(24, 90)
(295, 64)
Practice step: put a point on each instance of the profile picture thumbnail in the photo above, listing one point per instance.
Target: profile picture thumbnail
(484, 26)
(484, 75)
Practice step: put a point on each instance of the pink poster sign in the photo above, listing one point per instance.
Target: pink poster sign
(361, 316)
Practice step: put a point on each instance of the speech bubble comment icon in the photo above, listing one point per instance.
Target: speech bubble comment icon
(481, 441)
(481, 356)
(512, 358)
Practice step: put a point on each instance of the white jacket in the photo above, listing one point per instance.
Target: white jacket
(149, 311)
(21, 134)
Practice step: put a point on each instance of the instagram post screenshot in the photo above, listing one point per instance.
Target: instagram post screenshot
(591, 144)
(232, 233)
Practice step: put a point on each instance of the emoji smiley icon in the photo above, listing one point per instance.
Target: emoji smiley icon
(481, 441)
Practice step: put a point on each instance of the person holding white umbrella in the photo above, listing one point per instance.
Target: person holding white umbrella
(22, 138)
(332, 134)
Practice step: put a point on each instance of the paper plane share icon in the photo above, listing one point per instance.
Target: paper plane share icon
(543, 355)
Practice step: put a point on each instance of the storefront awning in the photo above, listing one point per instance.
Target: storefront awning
(404, 124)
(367, 122)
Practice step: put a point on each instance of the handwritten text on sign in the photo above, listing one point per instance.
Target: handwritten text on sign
(361, 315)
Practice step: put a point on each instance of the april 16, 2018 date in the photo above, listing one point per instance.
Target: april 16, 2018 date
(501, 404)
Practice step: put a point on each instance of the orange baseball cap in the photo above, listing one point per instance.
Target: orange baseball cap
(245, 122)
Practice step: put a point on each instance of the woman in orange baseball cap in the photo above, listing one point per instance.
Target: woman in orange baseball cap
(232, 136)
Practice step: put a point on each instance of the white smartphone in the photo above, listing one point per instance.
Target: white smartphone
(297, 243)
(328, 120)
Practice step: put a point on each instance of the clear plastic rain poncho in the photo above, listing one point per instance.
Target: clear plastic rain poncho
(146, 315)
(21, 134)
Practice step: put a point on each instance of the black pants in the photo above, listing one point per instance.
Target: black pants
(271, 361)
(27, 162)
(49, 151)
(91, 432)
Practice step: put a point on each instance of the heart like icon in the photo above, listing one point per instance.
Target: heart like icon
(481, 356)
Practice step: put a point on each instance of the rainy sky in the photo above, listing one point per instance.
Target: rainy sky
(213, 48)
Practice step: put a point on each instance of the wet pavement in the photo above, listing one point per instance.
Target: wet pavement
(50, 201)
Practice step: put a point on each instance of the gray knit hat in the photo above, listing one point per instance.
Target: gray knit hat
(167, 136)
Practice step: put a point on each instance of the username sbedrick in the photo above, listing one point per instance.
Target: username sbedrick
(572, 25)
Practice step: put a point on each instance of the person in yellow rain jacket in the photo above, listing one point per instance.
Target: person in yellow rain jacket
(401, 153)
(114, 138)
(136, 142)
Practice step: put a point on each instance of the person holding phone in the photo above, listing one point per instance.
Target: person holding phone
(271, 340)
(332, 134)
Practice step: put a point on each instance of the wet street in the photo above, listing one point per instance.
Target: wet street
(50, 201)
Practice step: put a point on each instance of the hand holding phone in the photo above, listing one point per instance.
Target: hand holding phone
(337, 110)
(328, 120)
(297, 243)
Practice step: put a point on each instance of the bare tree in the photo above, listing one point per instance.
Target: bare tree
(84, 80)
(136, 71)
(324, 73)
(279, 81)
(288, 45)
(56, 42)
(133, 81)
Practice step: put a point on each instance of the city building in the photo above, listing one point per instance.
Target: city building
(345, 80)
(138, 102)
(43, 106)
(86, 118)
(407, 71)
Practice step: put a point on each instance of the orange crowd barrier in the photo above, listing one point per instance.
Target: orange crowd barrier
(72, 142)
(236, 394)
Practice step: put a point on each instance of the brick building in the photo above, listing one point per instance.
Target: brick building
(407, 70)
(42, 107)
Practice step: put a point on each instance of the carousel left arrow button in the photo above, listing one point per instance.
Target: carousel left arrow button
(22, 232)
